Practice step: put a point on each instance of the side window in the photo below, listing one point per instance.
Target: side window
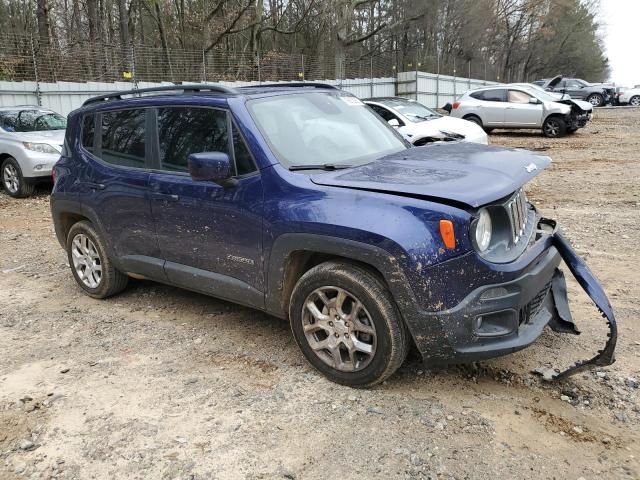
(573, 84)
(384, 113)
(490, 95)
(494, 95)
(516, 96)
(122, 136)
(88, 132)
(244, 160)
(183, 131)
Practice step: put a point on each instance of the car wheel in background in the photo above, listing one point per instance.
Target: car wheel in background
(89, 263)
(554, 127)
(12, 180)
(596, 99)
(347, 325)
(475, 119)
(635, 101)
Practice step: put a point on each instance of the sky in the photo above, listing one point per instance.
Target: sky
(621, 34)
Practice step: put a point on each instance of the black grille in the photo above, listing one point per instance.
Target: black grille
(531, 309)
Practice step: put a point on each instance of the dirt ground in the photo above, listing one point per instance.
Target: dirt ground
(163, 383)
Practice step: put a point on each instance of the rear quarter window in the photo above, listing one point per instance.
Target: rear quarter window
(122, 135)
(88, 132)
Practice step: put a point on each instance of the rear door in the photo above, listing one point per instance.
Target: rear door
(492, 106)
(114, 186)
(209, 234)
(520, 112)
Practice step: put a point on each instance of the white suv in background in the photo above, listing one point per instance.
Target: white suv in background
(516, 106)
(31, 140)
(421, 125)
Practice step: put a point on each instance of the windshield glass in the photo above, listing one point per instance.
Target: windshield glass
(317, 128)
(414, 111)
(32, 120)
(542, 95)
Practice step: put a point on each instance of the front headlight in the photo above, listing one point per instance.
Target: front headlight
(40, 147)
(483, 230)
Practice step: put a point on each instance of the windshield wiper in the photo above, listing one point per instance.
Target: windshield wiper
(323, 166)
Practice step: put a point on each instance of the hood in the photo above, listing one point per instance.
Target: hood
(551, 83)
(53, 137)
(467, 173)
(437, 127)
(586, 106)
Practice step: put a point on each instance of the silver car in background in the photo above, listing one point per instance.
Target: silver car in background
(516, 106)
(31, 140)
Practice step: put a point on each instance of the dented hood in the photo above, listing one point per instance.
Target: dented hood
(459, 172)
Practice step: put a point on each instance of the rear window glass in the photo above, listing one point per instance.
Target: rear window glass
(88, 132)
(123, 138)
(183, 131)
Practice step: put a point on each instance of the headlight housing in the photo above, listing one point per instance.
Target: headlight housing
(40, 147)
(483, 231)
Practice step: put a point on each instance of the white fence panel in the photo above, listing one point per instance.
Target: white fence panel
(431, 89)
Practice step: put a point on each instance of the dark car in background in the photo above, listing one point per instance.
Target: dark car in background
(597, 94)
(300, 201)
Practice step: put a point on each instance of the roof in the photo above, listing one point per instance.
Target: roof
(208, 89)
(22, 107)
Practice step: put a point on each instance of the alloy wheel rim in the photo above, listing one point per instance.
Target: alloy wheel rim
(339, 329)
(595, 101)
(86, 261)
(635, 101)
(552, 128)
(11, 179)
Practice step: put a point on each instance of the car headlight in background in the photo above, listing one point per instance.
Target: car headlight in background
(483, 230)
(40, 147)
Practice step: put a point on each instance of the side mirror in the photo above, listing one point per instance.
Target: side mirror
(394, 122)
(534, 101)
(213, 166)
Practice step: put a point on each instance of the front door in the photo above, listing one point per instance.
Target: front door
(521, 112)
(209, 234)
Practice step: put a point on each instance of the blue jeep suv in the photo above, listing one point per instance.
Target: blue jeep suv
(300, 201)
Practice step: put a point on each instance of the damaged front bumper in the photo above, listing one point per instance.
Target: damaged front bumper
(502, 318)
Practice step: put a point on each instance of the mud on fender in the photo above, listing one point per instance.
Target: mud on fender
(562, 321)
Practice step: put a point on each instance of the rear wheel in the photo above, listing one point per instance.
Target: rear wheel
(475, 119)
(347, 324)
(12, 180)
(596, 99)
(554, 127)
(90, 265)
(635, 101)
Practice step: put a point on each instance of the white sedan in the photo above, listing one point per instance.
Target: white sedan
(630, 96)
(31, 141)
(421, 125)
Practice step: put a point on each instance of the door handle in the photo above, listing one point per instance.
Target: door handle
(164, 197)
(97, 186)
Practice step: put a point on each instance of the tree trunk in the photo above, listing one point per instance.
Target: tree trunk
(44, 25)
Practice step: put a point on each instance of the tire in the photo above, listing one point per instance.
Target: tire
(554, 127)
(635, 101)
(111, 281)
(12, 180)
(488, 130)
(571, 130)
(475, 119)
(370, 346)
(596, 99)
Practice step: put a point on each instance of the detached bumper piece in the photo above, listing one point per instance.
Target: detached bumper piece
(561, 319)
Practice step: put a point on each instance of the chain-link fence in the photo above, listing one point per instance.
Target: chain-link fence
(25, 57)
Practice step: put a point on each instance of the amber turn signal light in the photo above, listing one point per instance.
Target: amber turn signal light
(447, 234)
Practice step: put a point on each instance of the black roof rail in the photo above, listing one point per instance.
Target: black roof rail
(295, 85)
(165, 88)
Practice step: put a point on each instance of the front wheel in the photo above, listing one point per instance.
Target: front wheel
(12, 180)
(554, 127)
(596, 99)
(347, 324)
(635, 101)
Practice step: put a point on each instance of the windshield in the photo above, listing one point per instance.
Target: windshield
(414, 111)
(542, 95)
(317, 128)
(32, 120)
